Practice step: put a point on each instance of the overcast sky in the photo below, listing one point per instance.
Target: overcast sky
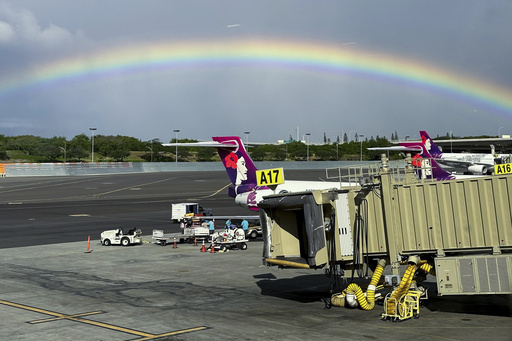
(67, 66)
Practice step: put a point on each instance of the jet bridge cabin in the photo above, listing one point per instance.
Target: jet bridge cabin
(462, 227)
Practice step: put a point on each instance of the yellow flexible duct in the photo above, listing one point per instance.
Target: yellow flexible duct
(405, 283)
(428, 268)
(367, 302)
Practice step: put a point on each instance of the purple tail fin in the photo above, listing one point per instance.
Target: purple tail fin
(239, 165)
(428, 168)
(431, 147)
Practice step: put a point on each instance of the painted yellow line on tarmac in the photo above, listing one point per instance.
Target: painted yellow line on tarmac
(176, 332)
(78, 318)
(66, 316)
(215, 193)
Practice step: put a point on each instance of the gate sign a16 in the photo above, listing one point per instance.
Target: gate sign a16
(505, 168)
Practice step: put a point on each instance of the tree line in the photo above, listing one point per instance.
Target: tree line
(30, 148)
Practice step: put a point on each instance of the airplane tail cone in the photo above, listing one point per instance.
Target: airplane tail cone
(203, 248)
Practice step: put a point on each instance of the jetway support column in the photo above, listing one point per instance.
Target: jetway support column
(389, 216)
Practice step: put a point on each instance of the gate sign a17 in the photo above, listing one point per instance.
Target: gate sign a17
(269, 177)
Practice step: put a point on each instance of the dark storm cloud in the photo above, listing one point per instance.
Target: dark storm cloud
(466, 37)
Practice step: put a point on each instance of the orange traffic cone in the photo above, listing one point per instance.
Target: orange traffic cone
(174, 246)
(203, 248)
(88, 243)
(213, 248)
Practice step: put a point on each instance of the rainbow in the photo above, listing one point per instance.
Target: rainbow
(317, 58)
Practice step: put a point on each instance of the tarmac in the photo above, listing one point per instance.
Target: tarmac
(80, 291)
(143, 292)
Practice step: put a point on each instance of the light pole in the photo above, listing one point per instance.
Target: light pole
(451, 142)
(92, 143)
(64, 150)
(176, 131)
(307, 148)
(360, 138)
(151, 148)
(499, 131)
(246, 133)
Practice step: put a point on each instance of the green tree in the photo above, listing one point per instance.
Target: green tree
(27, 143)
(205, 154)
(50, 151)
(131, 143)
(258, 154)
(119, 154)
(297, 150)
(80, 142)
(3, 151)
(76, 153)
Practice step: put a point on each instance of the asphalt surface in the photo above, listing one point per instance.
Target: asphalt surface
(52, 289)
(44, 210)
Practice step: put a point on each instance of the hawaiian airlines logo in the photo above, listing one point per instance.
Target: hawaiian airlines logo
(235, 161)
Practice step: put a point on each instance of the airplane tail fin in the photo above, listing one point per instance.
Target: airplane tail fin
(239, 165)
(431, 147)
(428, 168)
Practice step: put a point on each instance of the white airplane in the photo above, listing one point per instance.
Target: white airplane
(477, 164)
(425, 165)
(242, 173)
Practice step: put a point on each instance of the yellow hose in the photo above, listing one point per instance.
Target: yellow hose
(405, 283)
(428, 268)
(367, 302)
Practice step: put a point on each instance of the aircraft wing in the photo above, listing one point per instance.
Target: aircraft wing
(399, 148)
(456, 163)
(214, 144)
(222, 217)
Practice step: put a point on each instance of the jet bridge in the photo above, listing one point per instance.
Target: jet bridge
(461, 230)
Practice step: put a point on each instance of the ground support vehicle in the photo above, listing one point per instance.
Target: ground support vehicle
(180, 211)
(188, 234)
(254, 232)
(118, 237)
(229, 239)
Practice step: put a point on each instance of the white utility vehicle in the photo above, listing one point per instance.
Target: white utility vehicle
(229, 239)
(118, 237)
(192, 228)
(184, 210)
